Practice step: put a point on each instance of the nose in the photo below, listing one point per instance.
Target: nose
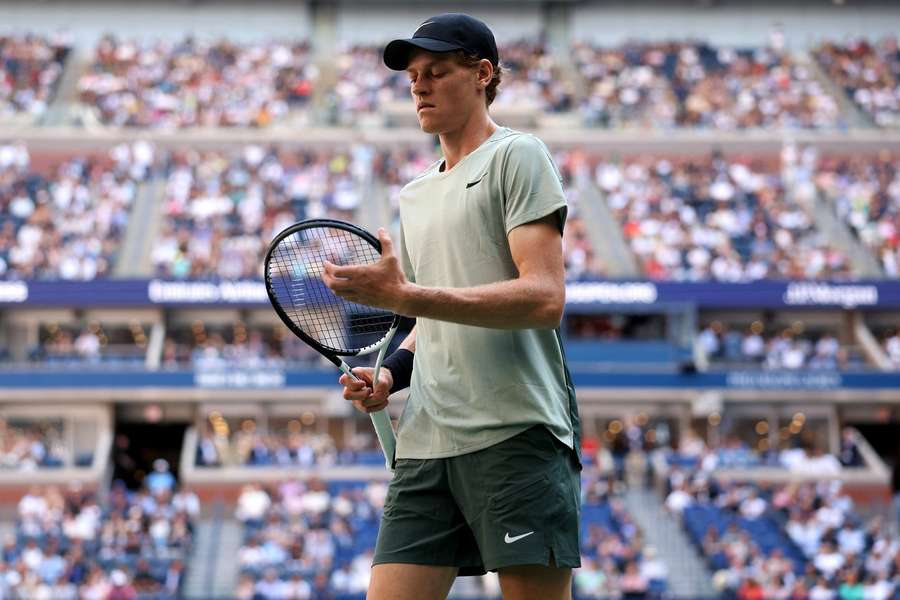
(418, 88)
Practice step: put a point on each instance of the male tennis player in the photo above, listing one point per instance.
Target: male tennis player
(487, 472)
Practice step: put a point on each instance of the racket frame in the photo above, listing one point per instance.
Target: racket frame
(384, 430)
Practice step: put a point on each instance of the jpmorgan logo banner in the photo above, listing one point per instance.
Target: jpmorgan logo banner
(824, 294)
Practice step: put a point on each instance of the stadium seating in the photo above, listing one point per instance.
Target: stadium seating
(865, 192)
(869, 73)
(222, 209)
(714, 218)
(30, 68)
(210, 347)
(692, 84)
(134, 83)
(67, 224)
(69, 545)
(317, 536)
(679, 83)
(65, 345)
(791, 349)
(783, 537)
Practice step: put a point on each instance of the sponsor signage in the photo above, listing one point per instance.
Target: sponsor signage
(247, 379)
(580, 296)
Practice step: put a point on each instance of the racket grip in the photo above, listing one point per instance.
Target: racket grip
(384, 430)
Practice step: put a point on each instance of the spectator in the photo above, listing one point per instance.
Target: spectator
(869, 73)
(693, 84)
(190, 83)
(222, 209)
(67, 224)
(161, 479)
(30, 68)
(715, 219)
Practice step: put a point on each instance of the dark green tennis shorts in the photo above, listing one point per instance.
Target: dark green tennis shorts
(515, 503)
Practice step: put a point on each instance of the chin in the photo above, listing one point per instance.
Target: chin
(429, 127)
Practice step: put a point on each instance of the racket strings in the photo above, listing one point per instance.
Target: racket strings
(295, 273)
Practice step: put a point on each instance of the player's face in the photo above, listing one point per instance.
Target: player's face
(445, 92)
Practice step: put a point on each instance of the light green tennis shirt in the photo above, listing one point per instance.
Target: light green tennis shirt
(473, 387)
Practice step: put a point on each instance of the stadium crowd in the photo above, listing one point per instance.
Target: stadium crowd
(30, 67)
(869, 73)
(786, 541)
(685, 219)
(68, 545)
(222, 209)
(864, 191)
(248, 445)
(307, 540)
(363, 84)
(204, 346)
(732, 452)
(792, 348)
(616, 562)
(68, 223)
(92, 343)
(678, 83)
(531, 78)
(693, 84)
(29, 447)
(192, 83)
(715, 218)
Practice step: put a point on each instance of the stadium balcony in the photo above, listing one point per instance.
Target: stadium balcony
(53, 445)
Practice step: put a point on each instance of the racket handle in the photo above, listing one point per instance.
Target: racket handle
(383, 428)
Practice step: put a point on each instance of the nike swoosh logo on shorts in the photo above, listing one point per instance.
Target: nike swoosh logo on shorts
(510, 540)
(472, 183)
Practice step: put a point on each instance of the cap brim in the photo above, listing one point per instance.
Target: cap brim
(396, 54)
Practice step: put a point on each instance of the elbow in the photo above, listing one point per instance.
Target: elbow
(550, 313)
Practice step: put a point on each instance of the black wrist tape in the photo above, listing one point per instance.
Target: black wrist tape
(400, 364)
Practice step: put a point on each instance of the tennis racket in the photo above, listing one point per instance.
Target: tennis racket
(326, 322)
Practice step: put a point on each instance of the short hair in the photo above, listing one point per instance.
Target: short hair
(472, 61)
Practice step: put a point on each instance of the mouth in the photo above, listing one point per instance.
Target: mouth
(422, 107)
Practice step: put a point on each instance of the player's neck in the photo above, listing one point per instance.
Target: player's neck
(456, 145)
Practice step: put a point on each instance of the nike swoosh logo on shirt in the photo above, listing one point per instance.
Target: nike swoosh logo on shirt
(510, 540)
(473, 183)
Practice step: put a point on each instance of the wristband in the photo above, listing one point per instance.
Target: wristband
(400, 364)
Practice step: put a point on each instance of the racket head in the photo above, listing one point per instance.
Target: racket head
(293, 270)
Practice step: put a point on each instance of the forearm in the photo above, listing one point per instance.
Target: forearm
(409, 342)
(522, 303)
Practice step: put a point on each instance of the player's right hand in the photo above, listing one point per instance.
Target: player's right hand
(360, 391)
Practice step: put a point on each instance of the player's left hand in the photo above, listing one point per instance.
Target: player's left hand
(381, 284)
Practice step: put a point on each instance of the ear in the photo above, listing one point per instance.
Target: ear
(485, 72)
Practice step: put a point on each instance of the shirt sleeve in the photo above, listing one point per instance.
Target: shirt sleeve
(532, 186)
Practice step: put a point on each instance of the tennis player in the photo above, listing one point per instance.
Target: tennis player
(486, 467)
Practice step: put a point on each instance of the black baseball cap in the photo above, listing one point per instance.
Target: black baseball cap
(444, 33)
